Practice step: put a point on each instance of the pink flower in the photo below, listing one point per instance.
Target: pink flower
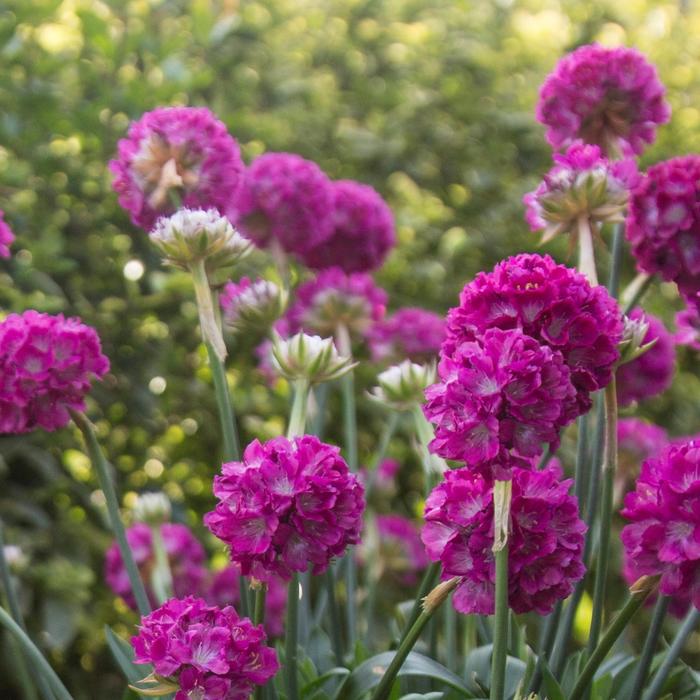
(185, 554)
(609, 97)
(545, 540)
(688, 323)
(363, 231)
(387, 470)
(185, 150)
(287, 200)
(6, 236)
(663, 224)
(663, 536)
(210, 653)
(402, 547)
(288, 505)
(411, 333)
(551, 303)
(47, 364)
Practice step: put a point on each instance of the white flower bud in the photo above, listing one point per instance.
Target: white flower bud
(16, 559)
(632, 344)
(309, 357)
(252, 305)
(403, 386)
(152, 508)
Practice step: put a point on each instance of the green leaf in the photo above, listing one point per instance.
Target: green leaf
(124, 656)
(551, 687)
(316, 683)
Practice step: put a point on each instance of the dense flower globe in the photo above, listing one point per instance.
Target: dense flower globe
(545, 540)
(401, 547)
(185, 555)
(651, 373)
(224, 589)
(582, 184)
(285, 200)
(210, 653)
(47, 364)
(688, 323)
(411, 333)
(252, 305)
(551, 303)
(663, 536)
(289, 505)
(609, 97)
(335, 298)
(502, 391)
(6, 236)
(362, 234)
(663, 224)
(181, 150)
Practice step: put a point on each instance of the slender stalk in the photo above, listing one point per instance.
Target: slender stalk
(635, 290)
(297, 418)
(451, 637)
(260, 595)
(618, 238)
(432, 464)
(40, 664)
(102, 468)
(161, 577)
(549, 634)
(319, 421)
(580, 473)
(290, 656)
(336, 636)
(674, 651)
(211, 333)
(586, 255)
(657, 623)
(500, 637)
(430, 578)
(227, 418)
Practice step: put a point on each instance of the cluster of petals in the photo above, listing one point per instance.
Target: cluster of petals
(249, 304)
(611, 97)
(185, 150)
(185, 555)
(663, 223)
(688, 323)
(663, 535)
(6, 236)
(335, 298)
(502, 391)
(210, 653)
(289, 505)
(402, 547)
(363, 231)
(545, 541)
(47, 364)
(224, 589)
(410, 333)
(553, 304)
(285, 200)
(652, 372)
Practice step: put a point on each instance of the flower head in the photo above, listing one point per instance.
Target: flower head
(207, 652)
(688, 323)
(152, 508)
(309, 357)
(582, 183)
(289, 505)
(182, 150)
(551, 303)
(6, 237)
(252, 305)
(285, 200)
(411, 333)
(546, 539)
(663, 536)
(608, 97)
(402, 386)
(185, 555)
(362, 234)
(652, 372)
(47, 364)
(663, 224)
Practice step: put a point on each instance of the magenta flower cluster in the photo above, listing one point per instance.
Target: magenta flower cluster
(47, 364)
(663, 224)
(609, 97)
(184, 150)
(410, 333)
(6, 236)
(185, 555)
(210, 653)
(545, 540)
(638, 440)
(663, 537)
(688, 323)
(289, 505)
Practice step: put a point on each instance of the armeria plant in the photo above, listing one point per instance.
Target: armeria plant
(508, 550)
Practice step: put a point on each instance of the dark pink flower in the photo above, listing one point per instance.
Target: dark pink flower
(6, 236)
(210, 653)
(688, 323)
(47, 364)
(411, 333)
(609, 97)
(287, 200)
(545, 539)
(663, 536)
(387, 470)
(289, 505)
(363, 231)
(185, 555)
(652, 373)
(551, 303)
(663, 224)
(184, 150)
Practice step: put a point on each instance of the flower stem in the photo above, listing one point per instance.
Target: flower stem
(657, 623)
(336, 636)
(102, 468)
(290, 656)
(227, 418)
(432, 464)
(635, 290)
(211, 333)
(297, 418)
(161, 578)
(616, 259)
(689, 624)
(586, 254)
(429, 580)
(259, 614)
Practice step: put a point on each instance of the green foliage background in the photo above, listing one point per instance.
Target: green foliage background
(430, 101)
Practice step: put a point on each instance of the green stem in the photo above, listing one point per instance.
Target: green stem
(36, 658)
(429, 580)
(618, 238)
(647, 656)
(580, 475)
(451, 637)
(635, 291)
(291, 634)
(500, 637)
(102, 468)
(336, 636)
(227, 418)
(161, 578)
(586, 254)
(433, 465)
(259, 614)
(297, 418)
(674, 651)
(211, 332)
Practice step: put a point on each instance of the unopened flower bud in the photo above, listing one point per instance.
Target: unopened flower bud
(16, 559)
(152, 508)
(439, 594)
(403, 386)
(252, 305)
(632, 344)
(309, 357)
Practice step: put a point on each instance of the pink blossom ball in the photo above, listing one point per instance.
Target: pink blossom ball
(410, 333)
(688, 323)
